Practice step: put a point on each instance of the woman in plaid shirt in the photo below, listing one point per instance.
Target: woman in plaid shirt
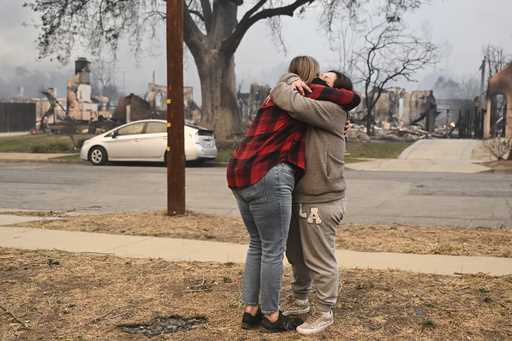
(262, 175)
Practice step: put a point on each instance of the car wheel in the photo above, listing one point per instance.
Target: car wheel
(98, 156)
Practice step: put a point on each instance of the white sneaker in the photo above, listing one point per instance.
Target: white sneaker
(294, 306)
(316, 323)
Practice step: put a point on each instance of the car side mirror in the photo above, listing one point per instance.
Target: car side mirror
(115, 134)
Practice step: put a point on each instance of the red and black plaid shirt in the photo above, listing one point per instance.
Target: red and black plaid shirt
(274, 137)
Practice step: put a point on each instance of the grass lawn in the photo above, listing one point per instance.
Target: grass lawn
(224, 154)
(45, 143)
(356, 151)
(51, 295)
(357, 237)
(375, 150)
(40, 143)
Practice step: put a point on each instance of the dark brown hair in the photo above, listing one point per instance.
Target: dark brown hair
(342, 81)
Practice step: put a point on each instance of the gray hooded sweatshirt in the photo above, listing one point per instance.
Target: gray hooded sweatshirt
(323, 180)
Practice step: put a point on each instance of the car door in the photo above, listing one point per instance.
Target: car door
(122, 143)
(153, 142)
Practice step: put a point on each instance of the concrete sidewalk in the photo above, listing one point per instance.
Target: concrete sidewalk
(206, 251)
(13, 134)
(31, 156)
(6, 219)
(434, 155)
(443, 149)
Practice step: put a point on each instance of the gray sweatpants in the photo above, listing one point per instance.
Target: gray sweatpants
(311, 250)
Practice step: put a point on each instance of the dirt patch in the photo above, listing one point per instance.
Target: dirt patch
(164, 325)
(86, 297)
(374, 238)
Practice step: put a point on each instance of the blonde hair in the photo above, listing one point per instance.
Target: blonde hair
(306, 67)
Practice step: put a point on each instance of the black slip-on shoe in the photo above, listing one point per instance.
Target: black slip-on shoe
(249, 321)
(283, 324)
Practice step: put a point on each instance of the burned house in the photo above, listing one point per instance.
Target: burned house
(497, 119)
(134, 108)
(154, 105)
(80, 104)
(250, 102)
(451, 109)
(401, 108)
(387, 108)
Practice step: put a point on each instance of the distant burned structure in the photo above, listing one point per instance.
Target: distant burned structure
(153, 105)
(398, 107)
(134, 108)
(79, 101)
(451, 109)
(387, 108)
(498, 114)
(250, 102)
(78, 93)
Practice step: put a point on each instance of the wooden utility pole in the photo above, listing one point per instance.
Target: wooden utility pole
(175, 110)
(482, 85)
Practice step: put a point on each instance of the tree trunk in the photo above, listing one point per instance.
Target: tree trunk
(369, 124)
(218, 92)
(369, 117)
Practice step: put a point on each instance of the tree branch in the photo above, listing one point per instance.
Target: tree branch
(192, 35)
(207, 9)
(207, 14)
(253, 16)
(197, 14)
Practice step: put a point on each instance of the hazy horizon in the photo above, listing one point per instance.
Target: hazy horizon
(460, 27)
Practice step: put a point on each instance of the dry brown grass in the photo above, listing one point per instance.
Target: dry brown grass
(426, 240)
(375, 238)
(63, 296)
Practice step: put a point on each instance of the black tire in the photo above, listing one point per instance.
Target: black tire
(98, 156)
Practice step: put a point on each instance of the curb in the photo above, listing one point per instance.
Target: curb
(59, 160)
(42, 161)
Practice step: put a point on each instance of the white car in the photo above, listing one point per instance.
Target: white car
(146, 140)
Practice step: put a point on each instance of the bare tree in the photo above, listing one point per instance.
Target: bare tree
(103, 72)
(213, 32)
(390, 54)
(496, 59)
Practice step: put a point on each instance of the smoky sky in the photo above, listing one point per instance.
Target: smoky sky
(460, 27)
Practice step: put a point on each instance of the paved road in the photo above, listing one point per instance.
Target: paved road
(374, 197)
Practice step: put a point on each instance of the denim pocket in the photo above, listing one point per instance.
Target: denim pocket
(285, 176)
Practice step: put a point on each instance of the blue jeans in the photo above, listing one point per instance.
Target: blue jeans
(266, 209)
